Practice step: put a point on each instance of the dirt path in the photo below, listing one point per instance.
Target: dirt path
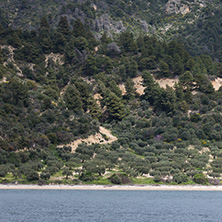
(97, 138)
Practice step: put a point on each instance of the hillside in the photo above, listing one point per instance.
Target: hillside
(195, 23)
(78, 107)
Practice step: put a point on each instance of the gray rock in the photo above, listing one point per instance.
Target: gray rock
(144, 26)
(113, 48)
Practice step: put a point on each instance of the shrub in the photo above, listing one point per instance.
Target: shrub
(115, 179)
(32, 176)
(200, 178)
(86, 176)
(214, 181)
(180, 178)
(3, 170)
(157, 178)
(120, 179)
(45, 176)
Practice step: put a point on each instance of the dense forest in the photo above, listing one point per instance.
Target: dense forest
(59, 84)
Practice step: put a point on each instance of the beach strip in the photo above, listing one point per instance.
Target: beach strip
(112, 187)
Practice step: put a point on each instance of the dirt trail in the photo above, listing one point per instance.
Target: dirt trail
(97, 138)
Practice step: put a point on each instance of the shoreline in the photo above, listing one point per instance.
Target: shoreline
(112, 187)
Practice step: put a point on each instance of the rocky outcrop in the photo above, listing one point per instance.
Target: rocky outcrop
(144, 26)
(183, 7)
(105, 23)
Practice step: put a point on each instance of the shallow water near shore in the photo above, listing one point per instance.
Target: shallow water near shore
(109, 205)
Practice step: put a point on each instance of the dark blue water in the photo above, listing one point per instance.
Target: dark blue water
(118, 206)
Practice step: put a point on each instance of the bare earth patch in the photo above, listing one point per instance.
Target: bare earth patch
(97, 97)
(4, 80)
(138, 84)
(138, 81)
(97, 138)
(55, 58)
(123, 89)
(217, 83)
(164, 82)
(11, 59)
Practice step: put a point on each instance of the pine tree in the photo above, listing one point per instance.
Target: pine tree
(73, 99)
(93, 107)
(114, 106)
(47, 45)
(115, 88)
(91, 66)
(63, 26)
(44, 23)
(164, 69)
(133, 68)
(127, 42)
(130, 90)
(79, 29)
(186, 79)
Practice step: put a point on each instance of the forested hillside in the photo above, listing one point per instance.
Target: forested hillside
(59, 83)
(195, 23)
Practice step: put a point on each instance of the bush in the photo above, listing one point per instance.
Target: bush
(125, 179)
(3, 170)
(214, 181)
(42, 182)
(157, 178)
(45, 176)
(86, 176)
(32, 176)
(180, 178)
(115, 179)
(119, 179)
(200, 178)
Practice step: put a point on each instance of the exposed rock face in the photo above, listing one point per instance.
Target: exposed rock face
(144, 26)
(79, 14)
(105, 23)
(183, 7)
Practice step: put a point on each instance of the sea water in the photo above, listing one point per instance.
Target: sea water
(118, 206)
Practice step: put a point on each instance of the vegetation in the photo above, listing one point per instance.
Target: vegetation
(60, 83)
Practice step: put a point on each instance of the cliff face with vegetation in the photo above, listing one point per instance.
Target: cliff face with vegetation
(82, 101)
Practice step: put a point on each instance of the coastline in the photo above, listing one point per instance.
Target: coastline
(112, 187)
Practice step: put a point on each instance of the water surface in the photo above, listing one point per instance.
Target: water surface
(118, 206)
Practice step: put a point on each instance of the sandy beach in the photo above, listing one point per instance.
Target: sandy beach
(114, 187)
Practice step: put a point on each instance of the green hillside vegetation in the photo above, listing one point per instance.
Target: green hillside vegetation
(49, 79)
(196, 23)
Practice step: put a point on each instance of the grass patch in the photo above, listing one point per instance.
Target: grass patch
(101, 181)
(142, 181)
